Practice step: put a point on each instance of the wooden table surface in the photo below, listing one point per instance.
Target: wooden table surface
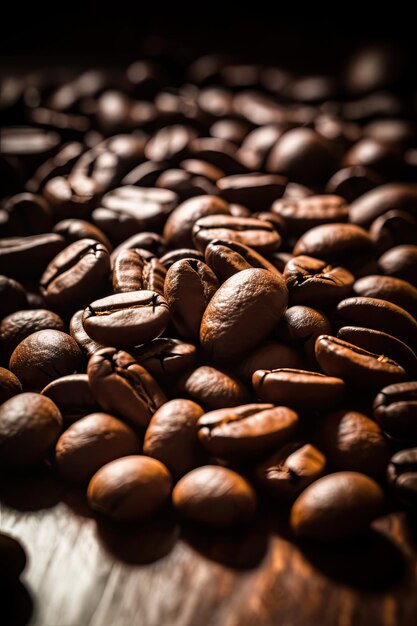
(83, 572)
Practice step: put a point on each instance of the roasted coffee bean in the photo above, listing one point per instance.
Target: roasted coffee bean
(383, 158)
(218, 152)
(144, 175)
(166, 359)
(400, 262)
(123, 387)
(68, 198)
(213, 388)
(317, 283)
(31, 145)
(337, 506)
(30, 424)
(396, 132)
(10, 385)
(169, 144)
(171, 436)
(289, 471)
(13, 560)
(138, 269)
(19, 325)
(201, 168)
(261, 236)
(299, 389)
(189, 287)
(90, 443)
(12, 296)
(395, 409)
(242, 313)
(381, 343)
(43, 357)
(73, 230)
(353, 182)
(379, 315)
(72, 395)
(257, 145)
(270, 355)
(358, 367)
(393, 196)
(87, 345)
(79, 271)
(394, 290)
(130, 489)
(256, 191)
(305, 213)
(126, 319)
(28, 256)
(216, 496)
(173, 256)
(340, 244)
(353, 442)
(58, 165)
(246, 431)
(393, 228)
(231, 130)
(229, 257)
(179, 225)
(402, 476)
(26, 214)
(301, 325)
(185, 185)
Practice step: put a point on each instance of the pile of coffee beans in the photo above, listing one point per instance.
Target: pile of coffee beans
(208, 290)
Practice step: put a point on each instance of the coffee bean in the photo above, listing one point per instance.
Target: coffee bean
(395, 409)
(144, 241)
(229, 257)
(353, 182)
(218, 152)
(202, 168)
(402, 476)
(68, 198)
(212, 388)
(400, 262)
(393, 229)
(394, 290)
(90, 443)
(270, 355)
(129, 489)
(300, 215)
(392, 196)
(30, 424)
(180, 254)
(337, 506)
(77, 332)
(12, 296)
(144, 175)
(166, 359)
(257, 145)
(256, 191)
(216, 496)
(58, 165)
(383, 158)
(231, 130)
(137, 269)
(26, 214)
(72, 395)
(246, 431)
(301, 325)
(10, 385)
(19, 325)
(314, 282)
(169, 144)
(28, 256)
(74, 229)
(261, 236)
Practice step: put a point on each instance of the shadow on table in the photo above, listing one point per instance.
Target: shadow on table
(38, 490)
(16, 606)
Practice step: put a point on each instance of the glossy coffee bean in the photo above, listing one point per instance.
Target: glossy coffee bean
(256, 191)
(216, 496)
(10, 385)
(123, 387)
(77, 332)
(395, 409)
(353, 182)
(299, 389)
(28, 256)
(30, 424)
(180, 254)
(126, 319)
(43, 357)
(393, 228)
(26, 214)
(358, 367)
(316, 283)
(400, 262)
(137, 269)
(74, 229)
(166, 359)
(218, 152)
(394, 290)
(72, 395)
(353, 442)
(169, 143)
(392, 196)
(300, 326)
(189, 287)
(246, 431)
(129, 489)
(19, 325)
(402, 476)
(171, 436)
(227, 257)
(270, 355)
(242, 313)
(337, 506)
(300, 215)
(69, 197)
(383, 158)
(90, 443)
(144, 241)
(290, 470)
(212, 388)
(12, 296)
(259, 235)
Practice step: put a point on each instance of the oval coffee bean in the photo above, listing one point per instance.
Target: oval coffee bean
(72, 395)
(255, 191)
(130, 489)
(229, 257)
(123, 387)
(400, 262)
(393, 228)
(358, 367)
(246, 431)
(300, 326)
(393, 196)
(30, 424)
(28, 256)
(316, 283)
(259, 235)
(242, 313)
(144, 241)
(137, 269)
(299, 389)
(73, 230)
(27, 214)
(12, 296)
(126, 319)
(270, 355)
(402, 476)
(306, 213)
(147, 208)
(353, 182)
(337, 506)
(166, 359)
(77, 332)
(394, 290)
(10, 385)
(216, 496)
(395, 410)
(90, 443)
(212, 388)
(19, 325)
(173, 256)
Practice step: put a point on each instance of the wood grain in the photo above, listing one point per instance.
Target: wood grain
(84, 572)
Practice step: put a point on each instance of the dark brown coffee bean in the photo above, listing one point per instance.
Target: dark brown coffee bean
(394, 290)
(337, 506)
(400, 262)
(353, 442)
(242, 313)
(230, 130)
(126, 319)
(12, 296)
(381, 157)
(138, 269)
(72, 395)
(166, 359)
(256, 191)
(73, 230)
(123, 387)
(373, 67)
(87, 345)
(179, 225)
(90, 443)
(402, 476)
(358, 367)
(216, 496)
(19, 325)
(289, 471)
(353, 182)
(10, 385)
(13, 560)
(213, 388)
(145, 241)
(396, 132)
(270, 355)
(28, 256)
(300, 389)
(257, 145)
(229, 257)
(171, 436)
(30, 144)
(30, 424)
(26, 214)
(261, 236)
(218, 152)
(169, 144)
(180, 254)
(317, 283)
(184, 184)
(69, 199)
(393, 229)
(203, 169)
(144, 175)
(301, 325)
(246, 431)
(130, 489)
(43, 357)
(58, 165)
(305, 213)
(393, 196)
(395, 409)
